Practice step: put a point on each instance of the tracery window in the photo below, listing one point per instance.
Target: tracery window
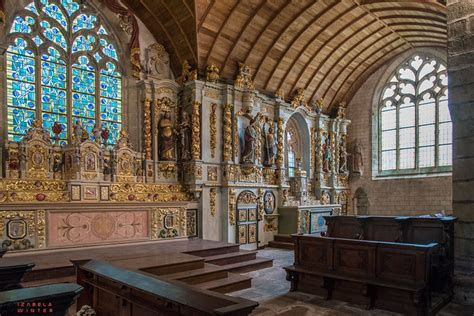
(415, 130)
(62, 66)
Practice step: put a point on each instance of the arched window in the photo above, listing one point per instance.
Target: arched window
(415, 130)
(62, 66)
(292, 150)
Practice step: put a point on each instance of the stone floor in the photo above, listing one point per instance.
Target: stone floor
(271, 290)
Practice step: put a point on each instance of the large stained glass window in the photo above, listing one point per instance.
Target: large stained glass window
(415, 130)
(62, 66)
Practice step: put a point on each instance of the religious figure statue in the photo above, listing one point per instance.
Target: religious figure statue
(326, 156)
(284, 197)
(105, 135)
(57, 129)
(97, 133)
(166, 135)
(107, 169)
(342, 156)
(250, 139)
(299, 98)
(185, 133)
(270, 145)
(123, 140)
(212, 73)
(341, 110)
(358, 162)
(187, 74)
(318, 107)
(158, 62)
(79, 132)
(244, 77)
(280, 95)
(57, 164)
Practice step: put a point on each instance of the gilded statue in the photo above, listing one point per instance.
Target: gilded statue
(342, 155)
(341, 110)
(250, 140)
(80, 134)
(299, 98)
(244, 77)
(166, 137)
(187, 74)
(280, 95)
(123, 139)
(212, 73)
(318, 107)
(270, 145)
(185, 136)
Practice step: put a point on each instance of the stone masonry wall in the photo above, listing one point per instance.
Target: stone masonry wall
(410, 196)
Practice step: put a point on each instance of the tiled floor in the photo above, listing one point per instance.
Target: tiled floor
(271, 290)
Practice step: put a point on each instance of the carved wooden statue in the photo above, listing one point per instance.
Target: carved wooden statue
(326, 156)
(250, 138)
(358, 162)
(185, 135)
(166, 138)
(342, 156)
(270, 145)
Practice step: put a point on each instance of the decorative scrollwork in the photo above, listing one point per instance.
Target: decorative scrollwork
(213, 129)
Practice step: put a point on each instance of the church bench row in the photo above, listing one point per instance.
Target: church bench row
(392, 276)
(111, 290)
(3, 251)
(404, 229)
(12, 272)
(54, 300)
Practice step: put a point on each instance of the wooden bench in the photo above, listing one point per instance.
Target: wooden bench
(111, 290)
(51, 300)
(12, 272)
(392, 276)
(3, 251)
(405, 229)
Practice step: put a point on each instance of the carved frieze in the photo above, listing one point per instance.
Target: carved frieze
(212, 173)
(168, 222)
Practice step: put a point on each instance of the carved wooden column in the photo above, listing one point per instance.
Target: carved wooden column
(196, 131)
(147, 128)
(227, 133)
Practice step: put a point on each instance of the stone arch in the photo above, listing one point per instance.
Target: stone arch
(298, 123)
(360, 202)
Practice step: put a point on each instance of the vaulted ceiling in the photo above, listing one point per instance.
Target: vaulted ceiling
(327, 47)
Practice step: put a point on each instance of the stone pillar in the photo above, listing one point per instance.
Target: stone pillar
(461, 100)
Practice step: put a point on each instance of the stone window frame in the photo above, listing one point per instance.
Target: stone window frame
(384, 78)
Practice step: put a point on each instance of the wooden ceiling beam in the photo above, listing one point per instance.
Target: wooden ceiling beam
(422, 11)
(435, 3)
(439, 32)
(321, 47)
(315, 18)
(413, 17)
(204, 16)
(440, 26)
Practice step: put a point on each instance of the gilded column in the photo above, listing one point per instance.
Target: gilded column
(332, 137)
(196, 136)
(213, 130)
(258, 146)
(232, 203)
(147, 128)
(280, 138)
(260, 203)
(313, 153)
(227, 132)
(212, 201)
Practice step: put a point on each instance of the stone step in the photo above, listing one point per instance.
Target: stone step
(251, 265)
(210, 272)
(233, 282)
(233, 257)
(214, 251)
(283, 238)
(281, 245)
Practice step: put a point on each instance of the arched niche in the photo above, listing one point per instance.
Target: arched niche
(297, 143)
(360, 202)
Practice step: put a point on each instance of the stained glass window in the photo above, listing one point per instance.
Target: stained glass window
(414, 122)
(62, 66)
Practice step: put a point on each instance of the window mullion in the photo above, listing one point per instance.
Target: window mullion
(436, 131)
(97, 96)
(38, 88)
(417, 126)
(69, 99)
(397, 136)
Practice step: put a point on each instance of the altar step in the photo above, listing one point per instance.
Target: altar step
(282, 242)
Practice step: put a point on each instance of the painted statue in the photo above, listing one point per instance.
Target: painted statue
(97, 133)
(270, 145)
(185, 133)
(342, 156)
(166, 137)
(250, 139)
(326, 156)
(358, 162)
(79, 132)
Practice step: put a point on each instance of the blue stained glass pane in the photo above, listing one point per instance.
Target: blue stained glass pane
(110, 70)
(54, 34)
(38, 41)
(110, 87)
(48, 122)
(84, 22)
(102, 31)
(108, 49)
(53, 100)
(83, 81)
(70, 6)
(20, 94)
(22, 24)
(83, 63)
(110, 110)
(19, 120)
(83, 105)
(19, 46)
(55, 12)
(114, 131)
(82, 43)
(53, 75)
(97, 57)
(20, 68)
(31, 7)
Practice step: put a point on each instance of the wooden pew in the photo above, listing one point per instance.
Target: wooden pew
(392, 276)
(12, 272)
(111, 290)
(51, 300)
(3, 251)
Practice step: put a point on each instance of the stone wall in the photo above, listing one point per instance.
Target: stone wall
(408, 196)
(461, 99)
